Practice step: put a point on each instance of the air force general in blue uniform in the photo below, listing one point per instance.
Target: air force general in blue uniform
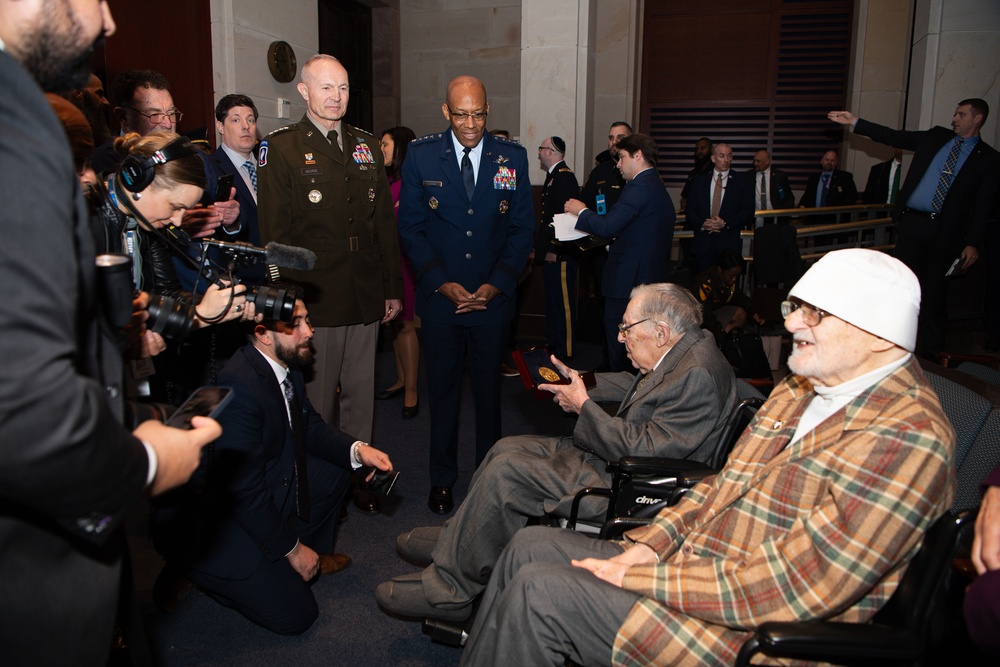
(476, 242)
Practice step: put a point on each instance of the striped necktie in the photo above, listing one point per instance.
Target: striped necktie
(252, 170)
(947, 175)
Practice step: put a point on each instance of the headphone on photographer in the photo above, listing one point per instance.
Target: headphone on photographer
(138, 171)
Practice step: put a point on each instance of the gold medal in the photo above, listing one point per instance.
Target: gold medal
(315, 196)
(503, 206)
(433, 203)
(548, 374)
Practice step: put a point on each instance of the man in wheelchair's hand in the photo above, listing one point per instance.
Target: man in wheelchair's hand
(572, 396)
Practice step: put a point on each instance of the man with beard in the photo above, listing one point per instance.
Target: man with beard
(69, 472)
(702, 165)
(263, 523)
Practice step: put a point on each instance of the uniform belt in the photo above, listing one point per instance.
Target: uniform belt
(921, 214)
(355, 243)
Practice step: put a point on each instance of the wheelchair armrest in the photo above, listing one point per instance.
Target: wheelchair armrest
(620, 524)
(654, 465)
(826, 641)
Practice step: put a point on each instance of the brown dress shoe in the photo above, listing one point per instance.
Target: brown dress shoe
(333, 563)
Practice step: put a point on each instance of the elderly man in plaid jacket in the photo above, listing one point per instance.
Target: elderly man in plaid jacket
(823, 502)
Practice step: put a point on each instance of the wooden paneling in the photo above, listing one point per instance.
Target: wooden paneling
(697, 62)
(174, 39)
(760, 74)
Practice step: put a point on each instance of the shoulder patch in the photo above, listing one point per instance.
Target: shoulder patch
(426, 137)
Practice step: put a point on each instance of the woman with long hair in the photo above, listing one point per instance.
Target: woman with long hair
(405, 344)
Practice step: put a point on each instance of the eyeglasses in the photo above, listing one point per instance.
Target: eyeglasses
(546, 148)
(811, 315)
(623, 328)
(157, 118)
(462, 116)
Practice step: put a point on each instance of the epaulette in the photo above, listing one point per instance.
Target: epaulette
(565, 170)
(510, 142)
(426, 137)
(360, 131)
(279, 131)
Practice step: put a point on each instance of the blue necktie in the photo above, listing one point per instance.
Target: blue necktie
(825, 189)
(947, 175)
(252, 170)
(467, 176)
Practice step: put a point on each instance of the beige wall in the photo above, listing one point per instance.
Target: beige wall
(241, 33)
(955, 54)
(441, 39)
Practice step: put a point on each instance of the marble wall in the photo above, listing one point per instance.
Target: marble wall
(441, 39)
(955, 54)
(545, 60)
(241, 33)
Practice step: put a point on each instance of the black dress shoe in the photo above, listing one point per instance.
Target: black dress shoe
(410, 411)
(441, 500)
(365, 500)
(171, 586)
(388, 393)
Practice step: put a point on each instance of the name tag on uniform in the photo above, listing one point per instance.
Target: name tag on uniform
(433, 183)
(311, 171)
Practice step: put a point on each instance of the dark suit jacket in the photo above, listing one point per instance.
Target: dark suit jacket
(877, 186)
(843, 191)
(604, 179)
(251, 476)
(737, 210)
(968, 207)
(449, 238)
(69, 472)
(642, 226)
(249, 232)
(778, 188)
(560, 186)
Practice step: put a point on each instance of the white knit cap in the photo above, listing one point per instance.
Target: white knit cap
(867, 288)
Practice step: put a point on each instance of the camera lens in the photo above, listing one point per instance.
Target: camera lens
(276, 303)
(169, 317)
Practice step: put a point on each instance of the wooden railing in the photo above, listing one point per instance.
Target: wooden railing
(860, 226)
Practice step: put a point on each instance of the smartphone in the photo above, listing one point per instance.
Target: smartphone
(204, 402)
(382, 481)
(223, 186)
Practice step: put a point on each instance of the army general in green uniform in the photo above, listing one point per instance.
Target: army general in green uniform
(322, 186)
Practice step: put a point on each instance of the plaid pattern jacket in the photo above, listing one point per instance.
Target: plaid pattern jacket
(821, 529)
